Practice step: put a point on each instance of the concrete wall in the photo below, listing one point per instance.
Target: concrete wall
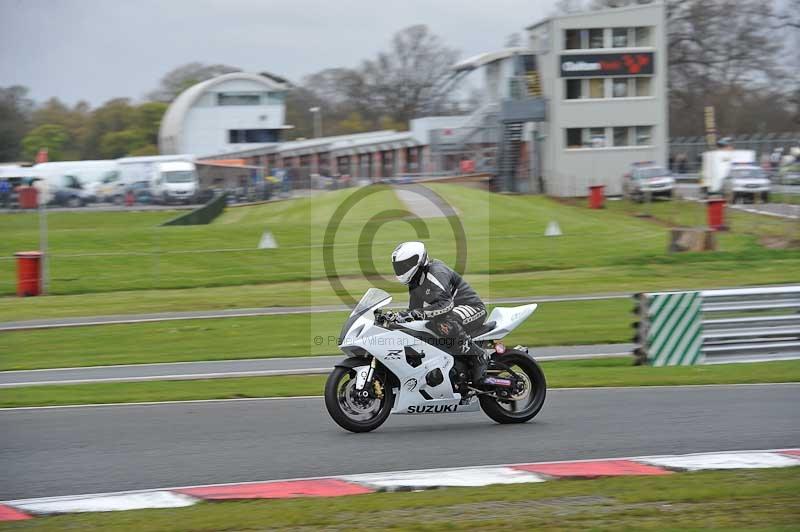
(568, 171)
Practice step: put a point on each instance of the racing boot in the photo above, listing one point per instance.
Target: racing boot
(479, 359)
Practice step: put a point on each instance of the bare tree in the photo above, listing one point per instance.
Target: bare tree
(402, 80)
(338, 86)
(727, 41)
(724, 53)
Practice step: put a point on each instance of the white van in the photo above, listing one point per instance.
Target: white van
(73, 182)
(717, 166)
(154, 169)
(735, 175)
(174, 181)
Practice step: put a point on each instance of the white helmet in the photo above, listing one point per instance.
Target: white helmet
(407, 259)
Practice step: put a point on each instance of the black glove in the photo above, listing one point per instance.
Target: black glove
(409, 315)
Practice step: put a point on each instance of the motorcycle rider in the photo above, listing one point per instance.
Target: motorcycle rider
(442, 296)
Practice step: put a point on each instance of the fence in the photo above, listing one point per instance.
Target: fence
(685, 153)
(717, 326)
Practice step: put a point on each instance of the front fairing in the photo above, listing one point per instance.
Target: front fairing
(363, 315)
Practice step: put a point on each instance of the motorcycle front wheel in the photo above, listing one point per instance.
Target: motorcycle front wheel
(354, 413)
(524, 404)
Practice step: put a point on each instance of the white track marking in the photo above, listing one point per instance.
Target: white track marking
(110, 502)
(432, 478)
(730, 460)
(228, 374)
(339, 356)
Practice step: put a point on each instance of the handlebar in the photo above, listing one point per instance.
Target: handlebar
(387, 318)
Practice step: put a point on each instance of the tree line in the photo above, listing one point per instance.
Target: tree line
(738, 55)
(115, 129)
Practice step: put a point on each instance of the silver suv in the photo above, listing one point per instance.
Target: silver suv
(646, 180)
(746, 181)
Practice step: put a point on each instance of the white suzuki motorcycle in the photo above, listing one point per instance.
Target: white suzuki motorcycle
(397, 368)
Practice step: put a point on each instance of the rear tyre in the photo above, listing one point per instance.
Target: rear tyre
(347, 410)
(523, 405)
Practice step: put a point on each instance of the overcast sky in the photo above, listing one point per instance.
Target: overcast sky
(99, 49)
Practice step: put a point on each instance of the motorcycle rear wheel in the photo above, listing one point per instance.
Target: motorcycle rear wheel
(345, 409)
(524, 405)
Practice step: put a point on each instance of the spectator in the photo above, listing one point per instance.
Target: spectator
(775, 158)
(682, 162)
(5, 192)
(286, 179)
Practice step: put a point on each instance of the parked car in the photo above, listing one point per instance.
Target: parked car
(647, 180)
(110, 188)
(746, 181)
(789, 174)
(141, 192)
(69, 191)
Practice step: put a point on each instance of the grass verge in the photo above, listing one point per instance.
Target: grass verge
(619, 278)
(109, 252)
(560, 374)
(563, 323)
(763, 499)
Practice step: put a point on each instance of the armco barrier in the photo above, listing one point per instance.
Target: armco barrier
(202, 215)
(715, 326)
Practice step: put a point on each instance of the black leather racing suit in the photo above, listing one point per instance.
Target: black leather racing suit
(452, 307)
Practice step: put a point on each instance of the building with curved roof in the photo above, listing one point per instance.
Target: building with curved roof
(231, 112)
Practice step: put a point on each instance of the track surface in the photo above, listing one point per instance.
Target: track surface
(63, 451)
(243, 368)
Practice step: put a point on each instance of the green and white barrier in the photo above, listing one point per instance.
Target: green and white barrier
(670, 328)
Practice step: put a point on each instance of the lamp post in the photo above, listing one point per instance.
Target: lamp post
(43, 157)
(317, 112)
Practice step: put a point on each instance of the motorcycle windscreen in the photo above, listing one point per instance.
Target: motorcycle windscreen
(371, 299)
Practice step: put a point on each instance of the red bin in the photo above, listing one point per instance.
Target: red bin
(28, 197)
(596, 196)
(715, 209)
(29, 273)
